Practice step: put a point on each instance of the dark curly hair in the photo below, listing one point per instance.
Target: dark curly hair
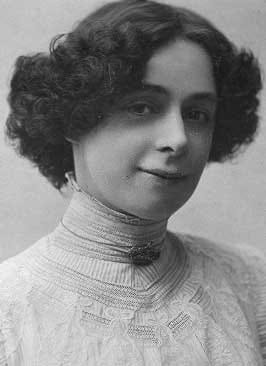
(62, 95)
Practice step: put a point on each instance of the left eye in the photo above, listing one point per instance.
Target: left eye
(196, 116)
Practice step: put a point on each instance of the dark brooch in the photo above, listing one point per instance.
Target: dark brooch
(143, 255)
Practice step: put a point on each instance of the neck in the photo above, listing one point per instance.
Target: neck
(103, 232)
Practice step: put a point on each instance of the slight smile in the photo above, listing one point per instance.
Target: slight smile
(164, 174)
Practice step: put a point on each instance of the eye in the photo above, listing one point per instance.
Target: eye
(196, 115)
(141, 109)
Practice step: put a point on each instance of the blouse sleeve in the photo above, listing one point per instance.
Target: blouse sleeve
(3, 360)
(12, 311)
(246, 270)
(5, 309)
(256, 261)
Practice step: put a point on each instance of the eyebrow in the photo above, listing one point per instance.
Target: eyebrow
(210, 96)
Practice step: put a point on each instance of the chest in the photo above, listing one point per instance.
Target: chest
(182, 332)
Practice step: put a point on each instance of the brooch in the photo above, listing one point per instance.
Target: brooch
(143, 255)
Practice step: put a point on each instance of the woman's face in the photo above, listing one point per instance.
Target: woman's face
(167, 125)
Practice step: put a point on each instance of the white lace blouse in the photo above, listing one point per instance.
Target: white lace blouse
(78, 297)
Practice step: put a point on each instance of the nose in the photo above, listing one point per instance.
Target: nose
(172, 133)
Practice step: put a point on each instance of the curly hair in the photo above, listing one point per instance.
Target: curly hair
(62, 95)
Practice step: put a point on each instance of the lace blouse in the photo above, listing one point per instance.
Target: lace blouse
(76, 298)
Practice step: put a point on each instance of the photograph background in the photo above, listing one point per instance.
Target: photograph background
(229, 204)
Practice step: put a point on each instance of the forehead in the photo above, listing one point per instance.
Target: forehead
(182, 68)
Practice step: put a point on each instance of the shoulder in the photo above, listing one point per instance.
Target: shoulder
(15, 289)
(243, 265)
(232, 255)
(13, 293)
(16, 277)
(13, 280)
(14, 272)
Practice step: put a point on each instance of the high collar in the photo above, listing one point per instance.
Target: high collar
(92, 228)
(88, 250)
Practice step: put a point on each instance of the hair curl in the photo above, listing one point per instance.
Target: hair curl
(65, 93)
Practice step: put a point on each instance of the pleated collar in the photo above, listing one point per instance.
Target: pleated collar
(99, 231)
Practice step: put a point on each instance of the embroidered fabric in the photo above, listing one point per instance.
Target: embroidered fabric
(210, 320)
(74, 298)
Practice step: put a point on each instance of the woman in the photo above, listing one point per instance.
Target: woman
(129, 108)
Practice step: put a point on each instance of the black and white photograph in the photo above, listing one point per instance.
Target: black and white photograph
(133, 183)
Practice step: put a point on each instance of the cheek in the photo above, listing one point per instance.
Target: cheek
(112, 159)
(200, 148)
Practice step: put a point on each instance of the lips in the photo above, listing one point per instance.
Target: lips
(165, 174)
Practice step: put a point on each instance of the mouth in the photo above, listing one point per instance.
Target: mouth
(169, 176)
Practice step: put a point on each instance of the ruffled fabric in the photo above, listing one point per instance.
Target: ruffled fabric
(70, 301)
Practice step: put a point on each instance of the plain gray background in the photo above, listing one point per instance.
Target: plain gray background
(229, 204)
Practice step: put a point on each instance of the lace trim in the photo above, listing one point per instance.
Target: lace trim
(203, 322)
(180, 326)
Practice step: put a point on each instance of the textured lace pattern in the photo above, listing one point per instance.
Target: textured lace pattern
(211, 312)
